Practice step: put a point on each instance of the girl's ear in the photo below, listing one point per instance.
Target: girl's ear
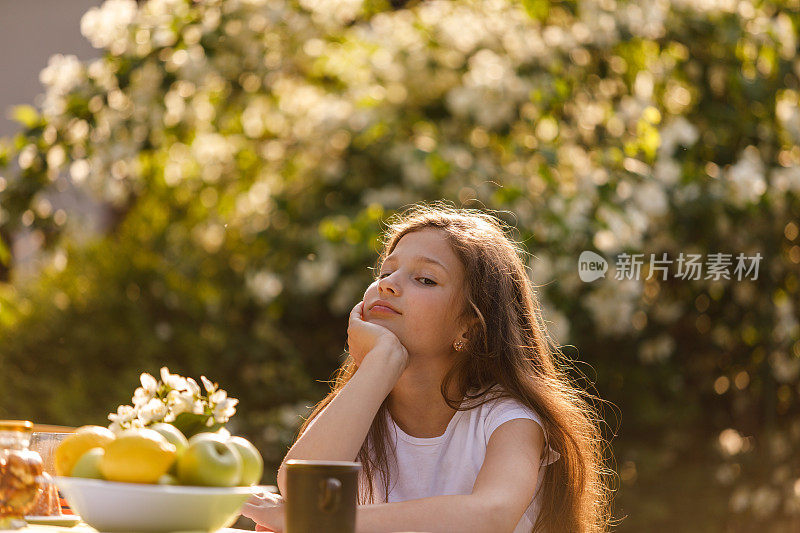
(469, 329)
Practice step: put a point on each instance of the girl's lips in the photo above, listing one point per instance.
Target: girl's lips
(383, 309)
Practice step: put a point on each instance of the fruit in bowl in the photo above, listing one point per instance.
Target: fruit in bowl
(154, 480)
(88, 466)
(209, 461)
(161, 455)
(137, 456)
(252, 462)
(172, 434)
(81, 441)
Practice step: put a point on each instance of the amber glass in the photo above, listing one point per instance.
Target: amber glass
(20, 471)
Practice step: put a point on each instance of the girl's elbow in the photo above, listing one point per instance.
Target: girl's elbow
(281, 479)
(498, 518)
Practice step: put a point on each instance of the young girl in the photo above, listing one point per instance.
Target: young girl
(451, 398)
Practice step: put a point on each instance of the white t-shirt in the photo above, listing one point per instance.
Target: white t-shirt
(449, 464)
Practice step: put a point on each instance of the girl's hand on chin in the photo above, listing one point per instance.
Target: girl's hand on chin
(363, 336)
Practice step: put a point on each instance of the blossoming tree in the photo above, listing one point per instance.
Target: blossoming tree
(242, 153)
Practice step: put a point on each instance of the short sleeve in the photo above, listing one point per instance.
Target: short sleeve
(506, 409)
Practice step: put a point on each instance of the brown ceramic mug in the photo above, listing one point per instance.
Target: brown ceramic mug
(321, 496)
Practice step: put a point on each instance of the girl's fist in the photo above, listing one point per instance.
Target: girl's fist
(363, 336)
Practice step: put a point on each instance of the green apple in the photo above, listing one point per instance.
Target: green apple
(172, 434)
(252, 463)
(88, 465)
(209, 460)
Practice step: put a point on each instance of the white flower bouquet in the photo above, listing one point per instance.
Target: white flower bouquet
(178, 401)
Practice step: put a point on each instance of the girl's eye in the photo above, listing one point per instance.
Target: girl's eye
(424, 281)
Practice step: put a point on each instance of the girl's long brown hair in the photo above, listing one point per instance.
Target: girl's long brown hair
(510, 348)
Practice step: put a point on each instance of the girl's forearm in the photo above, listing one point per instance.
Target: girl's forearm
(337, 433)
(446, 514)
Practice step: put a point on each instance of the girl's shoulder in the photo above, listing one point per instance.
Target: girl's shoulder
(491, 397)
(494, 403)
(495, 406)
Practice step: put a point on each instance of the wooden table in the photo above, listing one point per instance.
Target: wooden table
(83, 528)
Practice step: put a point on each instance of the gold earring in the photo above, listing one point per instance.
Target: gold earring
(458, 345)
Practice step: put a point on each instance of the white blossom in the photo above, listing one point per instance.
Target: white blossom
(192, 387)
(488, 70)
(180, 402)
(336, 11)
(645, 18)
(62, 73)
(786, 179)
(674, 133)
(788, 114)
(142, 396)
(289, 415)
(656, 350)
(625, 228)
(218, 396)
(746, 180)
(211, 148)
(785, 369)
(107, 24)
(124, 415)
(208, 384)
(316, 276)
(173, 381)
(651, 199)
(149, 383)
(667, 170)
(153, 411)
(183, 395)
(556, 322)
(725, 6)
(459, 27)
(225, 409)
(787, 326)
(613, 303)
(264, 285)
(542, 268)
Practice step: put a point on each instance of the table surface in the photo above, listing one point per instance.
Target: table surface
(83, 528)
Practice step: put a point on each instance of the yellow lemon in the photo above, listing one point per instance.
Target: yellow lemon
(73, 447)
(137, 456)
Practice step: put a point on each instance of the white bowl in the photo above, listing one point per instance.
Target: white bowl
(112, 506)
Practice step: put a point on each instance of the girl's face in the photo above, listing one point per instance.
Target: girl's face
(421, 285)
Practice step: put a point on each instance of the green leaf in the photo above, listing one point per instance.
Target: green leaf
(191, 424)
(537, 9)
(25, 115)
(5, 255)
(5, 152)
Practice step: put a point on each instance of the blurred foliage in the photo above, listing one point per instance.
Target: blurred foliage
(209, 195)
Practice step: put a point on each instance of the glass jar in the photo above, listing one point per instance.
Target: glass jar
(20, 473)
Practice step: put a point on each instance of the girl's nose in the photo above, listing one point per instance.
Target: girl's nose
(387, 285)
